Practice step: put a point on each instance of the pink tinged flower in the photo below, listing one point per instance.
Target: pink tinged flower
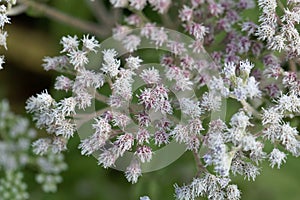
(167, 60)
(196, 3)
(232, 16)
(270, 60)
(289, 79)
(186, 13)
(274, 71)
(120, 32)
(249, 27)
(131, 42)
(88, 79)
(176, 47)
(215, 9)
(148, 29)
(192, 143)
(198, 31)
(164, 124)
(134, 20)
(187, 62)
(161, 137)
(120, 120)
(245, 4)
(101, 126)
(217, 126)
(232, 48)
(159, 36)
(142, 136)
(231, 58)
(138, 4)
(195, 126)
(216, 56)
(84, 99)
(272, 90)
(144, 153)
(107, 158)
(133, 172)
(116, 101)
(147, 98)
(256, 48)
(244, 45)
(63, 83)
(124, 143)
(160, 5)
(69, 43)
(197, 46)
(93, 143)
(78, 59)
(150, 76)
(143, 119)
(224, 24)
(54, 63)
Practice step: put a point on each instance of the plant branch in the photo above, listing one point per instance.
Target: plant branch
(59, 16)
(250, 109)
(99, 11)
(200, 167)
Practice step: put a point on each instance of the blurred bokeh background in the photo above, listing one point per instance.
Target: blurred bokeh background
(31, 37)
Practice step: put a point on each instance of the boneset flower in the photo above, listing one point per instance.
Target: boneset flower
(142, 108)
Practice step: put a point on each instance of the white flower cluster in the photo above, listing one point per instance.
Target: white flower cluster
(16, 154)
(261, 104)
(280, 32)
(5, 6)
(209, 186)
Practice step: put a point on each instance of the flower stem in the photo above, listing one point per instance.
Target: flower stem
(59, 16)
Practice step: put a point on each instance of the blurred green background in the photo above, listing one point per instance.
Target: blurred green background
(31, 37)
